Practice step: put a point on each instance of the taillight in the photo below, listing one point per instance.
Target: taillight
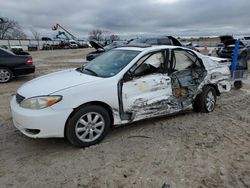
(29, 62)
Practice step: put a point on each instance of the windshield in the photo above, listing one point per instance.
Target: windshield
(110, 63)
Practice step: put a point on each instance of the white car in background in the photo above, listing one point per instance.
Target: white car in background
(121, 86)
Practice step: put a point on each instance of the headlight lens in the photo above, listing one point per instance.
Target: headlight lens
(40, 102)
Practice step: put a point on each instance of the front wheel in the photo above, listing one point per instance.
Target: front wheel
(206, 100)
(88, 126)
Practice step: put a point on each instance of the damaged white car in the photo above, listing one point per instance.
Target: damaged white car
(124, 85)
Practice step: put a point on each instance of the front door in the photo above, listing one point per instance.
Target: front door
(149, 92)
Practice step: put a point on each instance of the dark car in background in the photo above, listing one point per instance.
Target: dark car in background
(101, 49)
(4, 47)
(227, 45)
(162, 40)
(18, 50)
(12, 65)
(226, 50)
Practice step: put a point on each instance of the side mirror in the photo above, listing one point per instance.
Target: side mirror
(127, 77)
(142, 69)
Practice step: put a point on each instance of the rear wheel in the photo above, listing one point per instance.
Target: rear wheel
(238, 84)
(88, 126)
(206, 100)
(5, 75)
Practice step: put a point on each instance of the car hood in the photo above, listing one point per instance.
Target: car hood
(96, 45)
(54, 82)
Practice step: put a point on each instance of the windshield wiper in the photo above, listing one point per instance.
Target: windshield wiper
(93, 72)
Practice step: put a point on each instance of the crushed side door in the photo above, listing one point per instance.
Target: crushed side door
(187, 73)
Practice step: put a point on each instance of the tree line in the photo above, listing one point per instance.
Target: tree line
(11, 29)
(102, 35)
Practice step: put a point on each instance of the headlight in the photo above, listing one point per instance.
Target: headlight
(40, 102)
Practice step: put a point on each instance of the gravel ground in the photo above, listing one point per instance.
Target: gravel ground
(188, 150)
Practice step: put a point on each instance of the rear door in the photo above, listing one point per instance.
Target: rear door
(187, 73)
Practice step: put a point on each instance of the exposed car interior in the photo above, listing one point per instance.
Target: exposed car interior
(149, 64)
(187, 73)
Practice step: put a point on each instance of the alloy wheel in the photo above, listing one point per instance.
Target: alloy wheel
(90, 127)
(210, 101)
(5, 75)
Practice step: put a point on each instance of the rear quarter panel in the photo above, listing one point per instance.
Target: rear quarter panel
(13, 61)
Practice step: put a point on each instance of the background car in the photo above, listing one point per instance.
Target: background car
(18, 50)
(4, 47)
(192, 46)
(12, 65)
(73, 44)
(101, 49)
(227, 50)
(160, 40)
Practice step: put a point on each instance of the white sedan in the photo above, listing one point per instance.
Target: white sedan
(123, 85)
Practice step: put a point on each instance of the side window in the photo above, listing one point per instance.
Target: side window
(182, 60)
(149, 64)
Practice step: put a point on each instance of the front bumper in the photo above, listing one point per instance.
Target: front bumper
(43, 123)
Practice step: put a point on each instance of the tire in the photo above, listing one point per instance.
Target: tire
(205, 101)
(243, 54)
(5, 75)
(88, 126)
(238, 84)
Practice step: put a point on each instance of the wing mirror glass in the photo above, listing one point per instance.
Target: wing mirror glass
(128, 76)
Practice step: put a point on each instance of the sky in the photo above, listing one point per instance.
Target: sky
(128, 18)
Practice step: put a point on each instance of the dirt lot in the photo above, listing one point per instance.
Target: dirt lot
(188, 150)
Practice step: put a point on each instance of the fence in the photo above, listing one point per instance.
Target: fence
(30, 43)
(39, 43)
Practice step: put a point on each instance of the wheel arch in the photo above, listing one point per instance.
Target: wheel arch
(200, 100)
(98, 103)
(3, 66)
(215, 87)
